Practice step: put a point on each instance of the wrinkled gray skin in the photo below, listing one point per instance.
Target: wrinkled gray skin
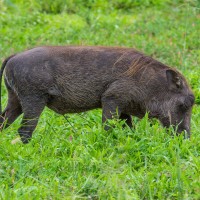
(75, 79)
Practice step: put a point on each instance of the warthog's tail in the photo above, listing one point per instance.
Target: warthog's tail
(1, 75)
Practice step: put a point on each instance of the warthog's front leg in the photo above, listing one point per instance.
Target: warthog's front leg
(113, 103)
(127, 118)
(110, 110)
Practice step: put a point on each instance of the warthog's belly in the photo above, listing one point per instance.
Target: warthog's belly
(63, 106)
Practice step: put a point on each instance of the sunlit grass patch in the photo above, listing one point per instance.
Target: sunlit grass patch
(71, 156)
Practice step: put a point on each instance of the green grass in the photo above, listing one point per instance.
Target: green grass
(75, 158)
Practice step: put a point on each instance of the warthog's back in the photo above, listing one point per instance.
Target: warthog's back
(74, 77)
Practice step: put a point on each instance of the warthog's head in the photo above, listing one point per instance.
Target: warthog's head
(173, 101)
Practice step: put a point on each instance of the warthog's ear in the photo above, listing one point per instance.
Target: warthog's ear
(173, 79)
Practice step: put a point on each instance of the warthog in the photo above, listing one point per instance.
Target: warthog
(71, 79)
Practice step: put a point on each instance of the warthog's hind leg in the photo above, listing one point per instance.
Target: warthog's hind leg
(12, 110)
(32, 107)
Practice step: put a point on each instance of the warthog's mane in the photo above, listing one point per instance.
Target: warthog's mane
(133, 62)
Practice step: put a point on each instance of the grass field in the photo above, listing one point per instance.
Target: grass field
(73, 157)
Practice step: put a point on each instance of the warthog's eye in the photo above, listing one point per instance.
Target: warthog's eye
(184, 107)
(191, 98)
(189, 101)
